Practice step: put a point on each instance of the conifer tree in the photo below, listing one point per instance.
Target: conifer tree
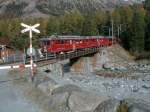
(147, 19)
(89, 26)
(138, 29)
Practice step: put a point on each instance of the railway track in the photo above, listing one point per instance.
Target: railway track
(71, 55)
(59, 57)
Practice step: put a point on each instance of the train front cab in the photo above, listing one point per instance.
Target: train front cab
(46, 48)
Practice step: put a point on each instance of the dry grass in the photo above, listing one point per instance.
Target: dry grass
(123, 107)
(112, 74)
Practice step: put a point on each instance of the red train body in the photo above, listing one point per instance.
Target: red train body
(55, 44)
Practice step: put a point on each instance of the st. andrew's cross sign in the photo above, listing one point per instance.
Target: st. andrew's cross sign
(30, 29)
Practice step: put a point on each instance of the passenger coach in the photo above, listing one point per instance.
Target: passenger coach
(57, 44)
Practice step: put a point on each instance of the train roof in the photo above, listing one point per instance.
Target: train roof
(64, 37)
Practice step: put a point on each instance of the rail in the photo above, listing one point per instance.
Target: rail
(58, 57)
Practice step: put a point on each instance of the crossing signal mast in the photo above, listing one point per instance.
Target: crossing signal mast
(112, 25)
(30, 29)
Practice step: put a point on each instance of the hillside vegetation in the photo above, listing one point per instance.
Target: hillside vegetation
(132, 22)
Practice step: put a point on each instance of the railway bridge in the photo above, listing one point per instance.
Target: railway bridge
(56, 64)
(70, 55)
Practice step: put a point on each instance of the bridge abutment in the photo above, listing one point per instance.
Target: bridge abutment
(89, 64)
(56, 68)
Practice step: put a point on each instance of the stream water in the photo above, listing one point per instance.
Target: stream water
(10, 98)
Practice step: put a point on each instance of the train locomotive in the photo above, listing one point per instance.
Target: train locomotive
(63, 44)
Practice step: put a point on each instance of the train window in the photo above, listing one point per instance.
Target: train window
(71, 42)
(44, 42)
(48, 42)
(60, 41)
(56, 42)
(87, 41)
(66, 42)
(77, 42)
(84, 41)
(52, 42)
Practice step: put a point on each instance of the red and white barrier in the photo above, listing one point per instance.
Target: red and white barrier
(21, 66)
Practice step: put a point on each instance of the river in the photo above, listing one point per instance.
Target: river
(11, 100)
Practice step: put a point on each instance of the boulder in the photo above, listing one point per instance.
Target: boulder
(111, 66)
(84, 102)
(139, 107)
(66, 88)
(107, 106)
(47, 85)
(59, 102)
(136, 105)
(42, 79)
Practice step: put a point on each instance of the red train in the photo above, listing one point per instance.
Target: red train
(57, 44)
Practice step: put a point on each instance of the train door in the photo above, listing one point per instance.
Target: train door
(43, 44)
(74, 44)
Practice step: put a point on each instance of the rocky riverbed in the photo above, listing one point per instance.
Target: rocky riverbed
(118, 84)
(85, 92)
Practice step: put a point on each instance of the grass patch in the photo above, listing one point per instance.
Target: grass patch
(123, 107)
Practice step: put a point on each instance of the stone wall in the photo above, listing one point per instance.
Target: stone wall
(90, 63)
(55, 68)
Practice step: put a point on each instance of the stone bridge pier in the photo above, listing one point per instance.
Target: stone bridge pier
(90, 63)
(86, 64)
(56, 68)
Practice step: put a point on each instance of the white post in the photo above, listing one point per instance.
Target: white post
(31, 58)
(112, 22)
(30, 29)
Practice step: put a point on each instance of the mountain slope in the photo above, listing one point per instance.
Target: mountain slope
(43, 8)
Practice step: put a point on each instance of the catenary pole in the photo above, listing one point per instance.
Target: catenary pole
(112, 25)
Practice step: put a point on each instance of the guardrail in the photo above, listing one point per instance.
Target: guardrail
(21, 58)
